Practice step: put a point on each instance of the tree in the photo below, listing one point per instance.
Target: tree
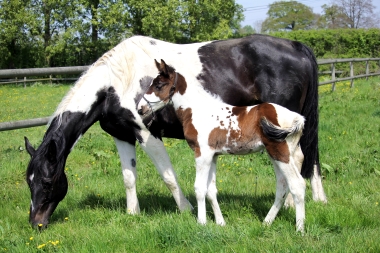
(359, 13)
(332, 17)
(51, 22)
(15, 24)
(288, 15)
(185, 21)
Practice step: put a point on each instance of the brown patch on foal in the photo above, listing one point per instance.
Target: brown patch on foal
(217, 138)
(249, 123)
(191, 134)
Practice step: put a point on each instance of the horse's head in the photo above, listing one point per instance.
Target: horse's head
(46, 179)
(162, 89)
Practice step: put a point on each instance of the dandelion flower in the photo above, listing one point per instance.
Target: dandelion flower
(66, 218)
(41, 246)
(31, 238)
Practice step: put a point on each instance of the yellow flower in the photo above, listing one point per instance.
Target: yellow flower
(54, 243)
(31, 238)
(41, 246)
(40, 224)
(66, 218)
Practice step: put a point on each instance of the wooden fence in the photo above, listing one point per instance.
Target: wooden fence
(77, 70)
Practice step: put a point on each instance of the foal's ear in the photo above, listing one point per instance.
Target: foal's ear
(164, 67)
(157, 64)
(29, 147)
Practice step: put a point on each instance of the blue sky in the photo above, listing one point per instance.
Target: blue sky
(256, 10)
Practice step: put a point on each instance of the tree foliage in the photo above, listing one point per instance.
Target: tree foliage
(288, 15)
(77, 32)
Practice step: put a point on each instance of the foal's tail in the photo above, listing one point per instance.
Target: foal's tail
(279, 134)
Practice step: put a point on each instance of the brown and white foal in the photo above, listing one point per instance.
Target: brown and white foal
(213, 128)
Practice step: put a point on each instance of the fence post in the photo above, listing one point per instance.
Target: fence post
(50, 80)
(24, 81)
(333, 76)
(366, 69)
(352, 73)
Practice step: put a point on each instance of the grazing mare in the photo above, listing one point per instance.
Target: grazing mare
(212, 128)
(241, 72)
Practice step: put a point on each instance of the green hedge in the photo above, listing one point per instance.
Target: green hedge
(338, 43)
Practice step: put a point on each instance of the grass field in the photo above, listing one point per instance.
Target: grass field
(93, 217)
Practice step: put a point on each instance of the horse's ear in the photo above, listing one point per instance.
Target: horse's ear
(164, 67)
(51, 154)
(29, 147)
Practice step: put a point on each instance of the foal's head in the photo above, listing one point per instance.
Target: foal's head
(46, 179)
(162, 89)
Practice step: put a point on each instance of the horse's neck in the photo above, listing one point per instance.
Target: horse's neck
(67, 129)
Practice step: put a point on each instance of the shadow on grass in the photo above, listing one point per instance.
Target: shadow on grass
(151, 204)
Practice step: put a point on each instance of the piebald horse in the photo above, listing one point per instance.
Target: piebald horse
(212, 127)
(240, 72)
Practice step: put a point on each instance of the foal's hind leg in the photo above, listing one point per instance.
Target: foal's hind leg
(211, 193)
(298, 157)
(127, 153)
(282, 191)
(156, 150)
(297, 188)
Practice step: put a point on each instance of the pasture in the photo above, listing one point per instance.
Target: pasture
(93, 216)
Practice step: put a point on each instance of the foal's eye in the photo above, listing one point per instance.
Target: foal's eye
(159, 86)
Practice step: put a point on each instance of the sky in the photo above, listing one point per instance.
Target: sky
(257, 10)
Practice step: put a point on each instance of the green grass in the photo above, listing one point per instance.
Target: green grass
(93, 217)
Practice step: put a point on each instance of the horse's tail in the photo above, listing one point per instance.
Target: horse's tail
(279, 134)
(309, 139)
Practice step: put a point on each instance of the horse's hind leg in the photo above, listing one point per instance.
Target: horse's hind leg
(156, 151)
(127, 153)
(316, 186)
(211, 194)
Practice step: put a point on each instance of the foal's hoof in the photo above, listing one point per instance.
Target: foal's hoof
(221, 223)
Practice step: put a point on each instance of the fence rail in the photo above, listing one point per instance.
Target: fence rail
(76, 70)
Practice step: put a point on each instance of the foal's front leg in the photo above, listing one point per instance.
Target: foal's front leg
(211, 193)
(203, 165)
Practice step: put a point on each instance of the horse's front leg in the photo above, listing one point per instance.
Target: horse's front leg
(155, 149)
(127, 153)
